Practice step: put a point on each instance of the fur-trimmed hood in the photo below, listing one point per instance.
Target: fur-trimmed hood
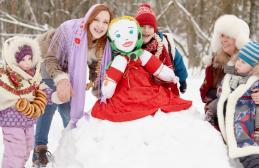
(227, 121)
(11, 46)
(233, 27)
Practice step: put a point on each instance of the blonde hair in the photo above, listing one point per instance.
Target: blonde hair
(222, 58)
(122, 17)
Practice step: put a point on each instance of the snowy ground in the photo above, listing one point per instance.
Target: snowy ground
(208, 149)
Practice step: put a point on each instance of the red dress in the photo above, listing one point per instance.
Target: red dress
(137, 96)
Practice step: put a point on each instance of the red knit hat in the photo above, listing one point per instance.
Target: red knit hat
(146, 16)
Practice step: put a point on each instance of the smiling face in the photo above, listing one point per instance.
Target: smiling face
(99, 25)
(148, 33)
(228, 44)
(124, 34)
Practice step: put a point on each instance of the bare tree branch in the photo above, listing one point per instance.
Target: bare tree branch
(14, 34)
(8, 16)
(24, 25)
(182, 47)
(165, 10)
(62, 11)
(169, 29)
(2, 30)
(32, 13)
(52, 3)
(78, 8)
(197, 28)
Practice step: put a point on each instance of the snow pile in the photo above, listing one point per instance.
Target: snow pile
(181, 140)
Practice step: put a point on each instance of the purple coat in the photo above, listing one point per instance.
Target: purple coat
(71, 53)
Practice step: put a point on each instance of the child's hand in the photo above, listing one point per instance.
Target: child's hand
(55, 99)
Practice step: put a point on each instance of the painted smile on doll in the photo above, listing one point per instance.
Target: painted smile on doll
(128, 43)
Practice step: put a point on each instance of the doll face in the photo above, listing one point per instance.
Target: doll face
(99, 25)
(243, 67)
(26, 63)
(228, 44)
(148, 33)
(124, 33)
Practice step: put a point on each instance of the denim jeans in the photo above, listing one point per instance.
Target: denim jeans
(44, 122)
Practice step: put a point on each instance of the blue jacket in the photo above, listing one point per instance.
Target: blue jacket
(180, 69)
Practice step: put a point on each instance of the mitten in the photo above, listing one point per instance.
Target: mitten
(108, 88)
(183, 86)
(166, 74)
(114, 74)
(157, 68)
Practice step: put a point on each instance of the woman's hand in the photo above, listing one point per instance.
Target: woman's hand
(255, 95)
(64, 90)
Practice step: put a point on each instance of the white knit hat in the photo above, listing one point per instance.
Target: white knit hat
(231, 26)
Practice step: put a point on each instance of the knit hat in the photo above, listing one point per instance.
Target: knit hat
(250, 53)
(146, 16)
(16, 48)
(23, 51)
(231, 26)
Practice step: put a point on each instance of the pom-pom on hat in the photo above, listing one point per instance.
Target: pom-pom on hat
(250, 53)
(146, 16)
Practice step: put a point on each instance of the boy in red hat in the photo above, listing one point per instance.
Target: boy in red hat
(162, 46)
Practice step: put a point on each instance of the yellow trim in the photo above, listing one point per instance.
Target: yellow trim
(122, 17)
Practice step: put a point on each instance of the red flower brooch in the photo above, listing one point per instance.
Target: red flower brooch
(77, 40)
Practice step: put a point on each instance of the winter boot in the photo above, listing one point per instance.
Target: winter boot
(41, 156)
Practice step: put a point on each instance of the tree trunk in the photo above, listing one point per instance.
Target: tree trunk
(194, 59)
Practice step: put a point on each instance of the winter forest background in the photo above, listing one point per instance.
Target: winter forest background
(190, 21)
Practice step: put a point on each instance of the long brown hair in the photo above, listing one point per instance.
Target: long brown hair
(100, 42)
(219, 61)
